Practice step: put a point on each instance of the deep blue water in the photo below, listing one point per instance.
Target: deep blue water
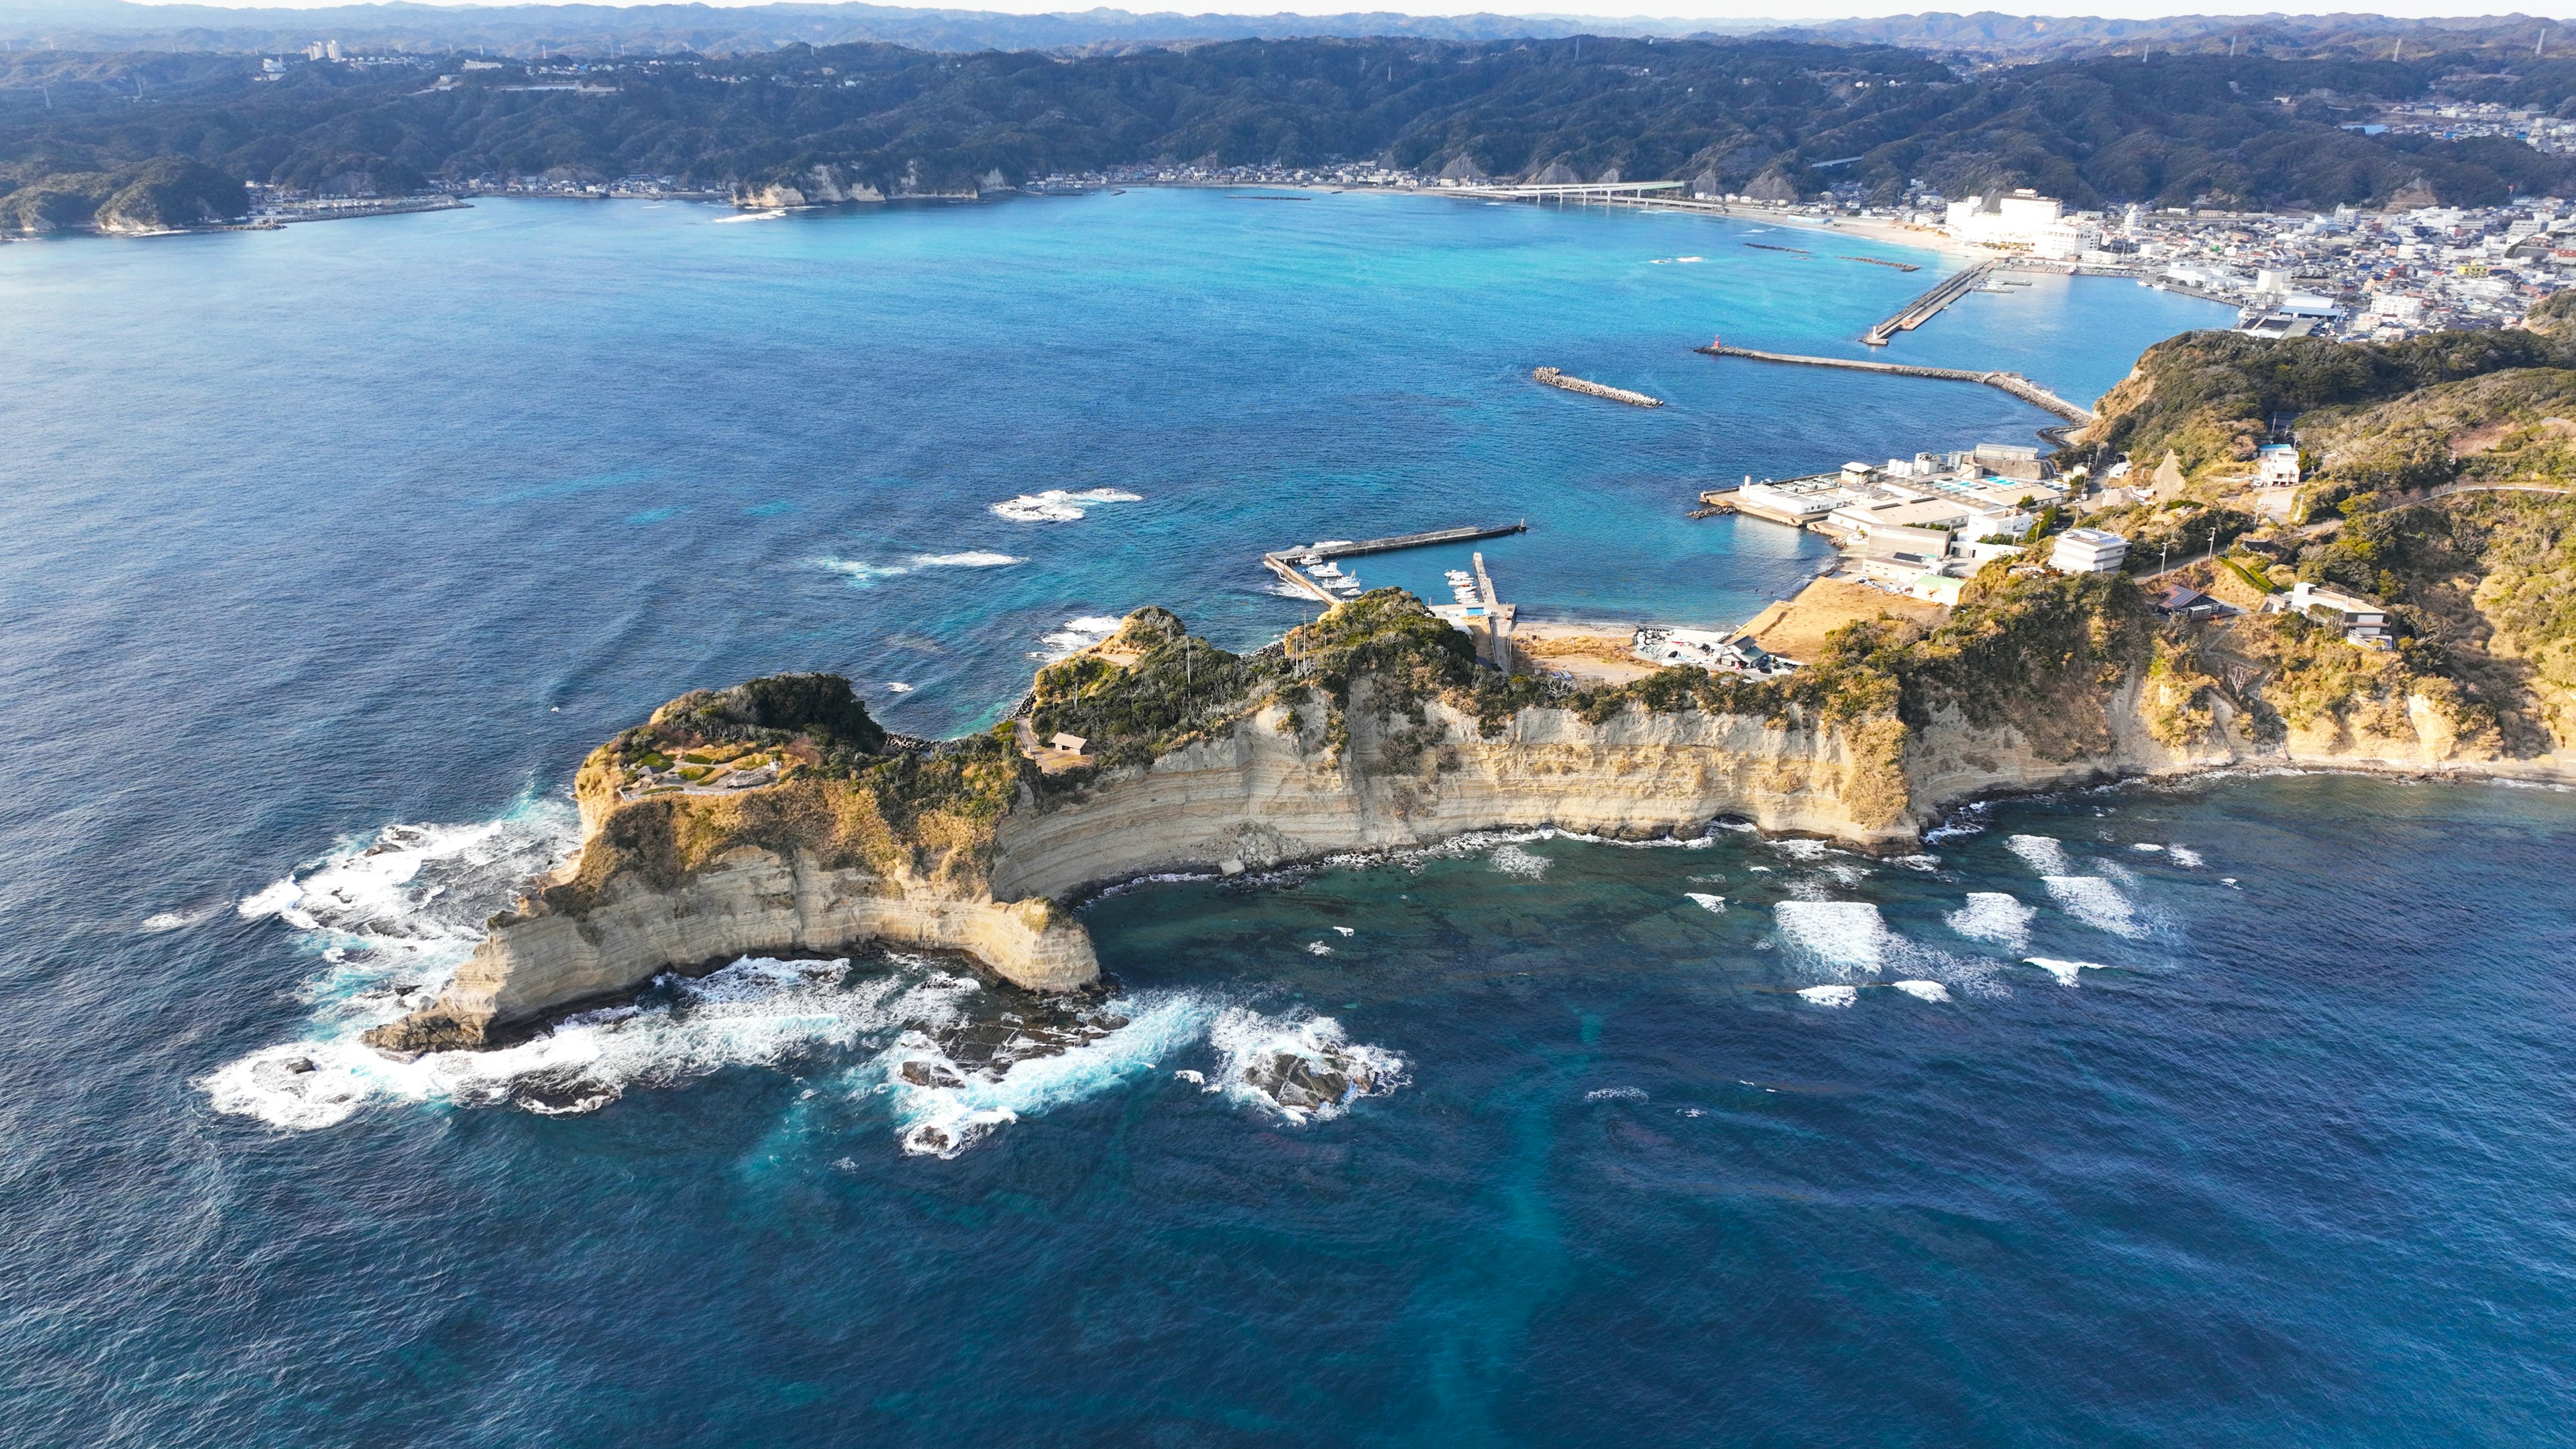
(316, 532)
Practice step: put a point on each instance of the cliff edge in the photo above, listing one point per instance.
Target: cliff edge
(776, 816)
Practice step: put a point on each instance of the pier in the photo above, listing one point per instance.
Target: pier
(2011, 382)
(1554, 378)
(1286, 562)
(1930, 305)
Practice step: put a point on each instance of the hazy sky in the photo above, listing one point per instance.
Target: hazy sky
(1686, 9)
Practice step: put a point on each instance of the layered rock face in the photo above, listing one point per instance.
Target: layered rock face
(1269, 792)
(1272, 789)
(751, 902)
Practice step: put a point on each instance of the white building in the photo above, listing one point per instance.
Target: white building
(1798, 502)
(2088, 551)
(2276, 465)
(2364, 624)
(2023, 219)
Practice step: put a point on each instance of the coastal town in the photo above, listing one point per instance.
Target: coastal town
(2341, 273)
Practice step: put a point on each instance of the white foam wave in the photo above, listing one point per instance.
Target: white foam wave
(1615, 1094)
(1836, 995)
(1076, 636)
(2041, 853)
(945, 1121)
(2064, 971)
(1846, 935)
(1994, 916)
(2185, 856)
(864, 574)
(756, 1012)
(2144, 845)
(1848, 940)
(774, 214)
(1707, 902)
(860, 574)
(1318, 948)
(1924, 990)
(1512, 860)
(160, 921)
(971, 559)
(2096, 902)
(1245, 1039)
(394, 916)
(1058, 505)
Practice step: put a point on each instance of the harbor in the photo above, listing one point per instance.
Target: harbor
(1476, 606)
(1313, 570)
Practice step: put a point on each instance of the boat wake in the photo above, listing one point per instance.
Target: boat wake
(1058, 505)
(863, 575)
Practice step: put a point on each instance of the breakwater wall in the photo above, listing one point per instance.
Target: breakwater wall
(2011, 382)
(1554, 378)
(1930, 305)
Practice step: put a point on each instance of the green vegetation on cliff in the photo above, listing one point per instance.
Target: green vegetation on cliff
(825, 784)
(2401, 440)
(2210, 397)
(159, 195)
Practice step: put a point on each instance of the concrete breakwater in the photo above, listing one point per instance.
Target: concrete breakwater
(1554, 378)
(1930, 305)
(2011, 382)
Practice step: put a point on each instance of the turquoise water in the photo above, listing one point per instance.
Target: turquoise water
(348, 527)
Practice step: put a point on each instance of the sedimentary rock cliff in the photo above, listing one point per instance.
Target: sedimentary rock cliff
(1380, 733)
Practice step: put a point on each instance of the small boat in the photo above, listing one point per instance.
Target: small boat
(1326, 571)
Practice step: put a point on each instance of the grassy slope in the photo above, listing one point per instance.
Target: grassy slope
(2482, 586)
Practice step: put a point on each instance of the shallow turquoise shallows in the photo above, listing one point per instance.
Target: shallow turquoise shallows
(2234, 1114)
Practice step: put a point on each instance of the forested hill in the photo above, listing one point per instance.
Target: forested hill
(1770, 117)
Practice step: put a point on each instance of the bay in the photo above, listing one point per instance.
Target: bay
(376, 524)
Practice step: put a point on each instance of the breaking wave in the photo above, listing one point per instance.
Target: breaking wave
(1512, 860)
(1849, 939)
(1846, 935)
(2064, 971)
(2041, 853)
(1251, 1044)
(1076, 636)
(2096, 902)
(1924, 990)
(1058, 505)
(1833, 995)
(759, 1011)
(1996, 917)
(943, 1121)
(1707, 902)
(392, 917)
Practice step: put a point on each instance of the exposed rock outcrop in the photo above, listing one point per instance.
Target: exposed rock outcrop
(1380, 733)
(815, 186)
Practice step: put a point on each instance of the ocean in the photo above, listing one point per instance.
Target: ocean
(2226, 1112)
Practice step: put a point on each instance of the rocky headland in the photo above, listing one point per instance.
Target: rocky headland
(776, 817)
